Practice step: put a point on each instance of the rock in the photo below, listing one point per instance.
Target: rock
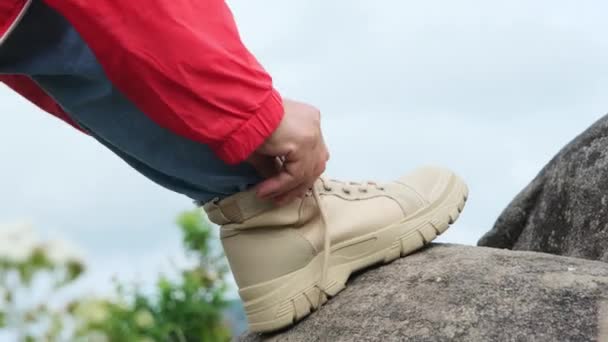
(564, 210)
(459, 293)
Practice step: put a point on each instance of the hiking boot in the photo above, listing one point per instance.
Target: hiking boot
(287, 261)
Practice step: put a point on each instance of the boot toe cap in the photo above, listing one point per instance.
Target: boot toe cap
(429, 182)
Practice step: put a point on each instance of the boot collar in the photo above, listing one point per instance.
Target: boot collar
(237, 208)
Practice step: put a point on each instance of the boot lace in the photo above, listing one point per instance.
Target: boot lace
(326, 243)
(346, 188)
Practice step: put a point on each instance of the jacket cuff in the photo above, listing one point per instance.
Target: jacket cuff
(247, 138)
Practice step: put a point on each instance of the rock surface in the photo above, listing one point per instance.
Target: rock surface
(459, 293)
(564, 210)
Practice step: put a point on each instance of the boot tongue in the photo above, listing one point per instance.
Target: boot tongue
(237, 208)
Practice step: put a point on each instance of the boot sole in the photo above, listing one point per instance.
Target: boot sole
(281, 302)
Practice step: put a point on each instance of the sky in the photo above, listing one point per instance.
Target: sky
(490, 89)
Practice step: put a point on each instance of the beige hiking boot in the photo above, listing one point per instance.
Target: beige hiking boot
(288, 261)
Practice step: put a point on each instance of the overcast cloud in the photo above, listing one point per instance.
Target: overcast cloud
(491, 89)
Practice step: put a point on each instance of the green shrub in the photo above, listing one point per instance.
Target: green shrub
(186, 307)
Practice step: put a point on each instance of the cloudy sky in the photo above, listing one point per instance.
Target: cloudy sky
(491, 89)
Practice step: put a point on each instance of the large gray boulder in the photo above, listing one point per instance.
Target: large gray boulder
(564, 210)
(458, 293)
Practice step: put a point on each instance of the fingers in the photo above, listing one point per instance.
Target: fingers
(298, 192)
(277, 186)
(293, 182)
(266, 166)
(299, 146)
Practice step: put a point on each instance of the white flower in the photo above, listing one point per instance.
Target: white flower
(144, 319)
(91, 310)
(61, 252)
(97, 336)
(17, 242)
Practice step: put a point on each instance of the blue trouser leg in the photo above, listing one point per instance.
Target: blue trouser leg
(45, 47)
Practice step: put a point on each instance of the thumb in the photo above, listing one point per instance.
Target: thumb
(266, 166)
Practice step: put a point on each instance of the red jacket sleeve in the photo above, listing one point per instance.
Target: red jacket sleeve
(182, 63)
(31, 91)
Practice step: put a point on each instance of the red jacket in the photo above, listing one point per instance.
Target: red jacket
(181, 62)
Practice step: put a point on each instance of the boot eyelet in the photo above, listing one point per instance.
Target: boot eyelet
(328, 189)
(364, 191)
(346, 191)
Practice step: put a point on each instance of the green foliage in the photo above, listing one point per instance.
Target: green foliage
(185, 307)
(27, 264)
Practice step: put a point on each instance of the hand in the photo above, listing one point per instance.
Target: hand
(294, 156)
